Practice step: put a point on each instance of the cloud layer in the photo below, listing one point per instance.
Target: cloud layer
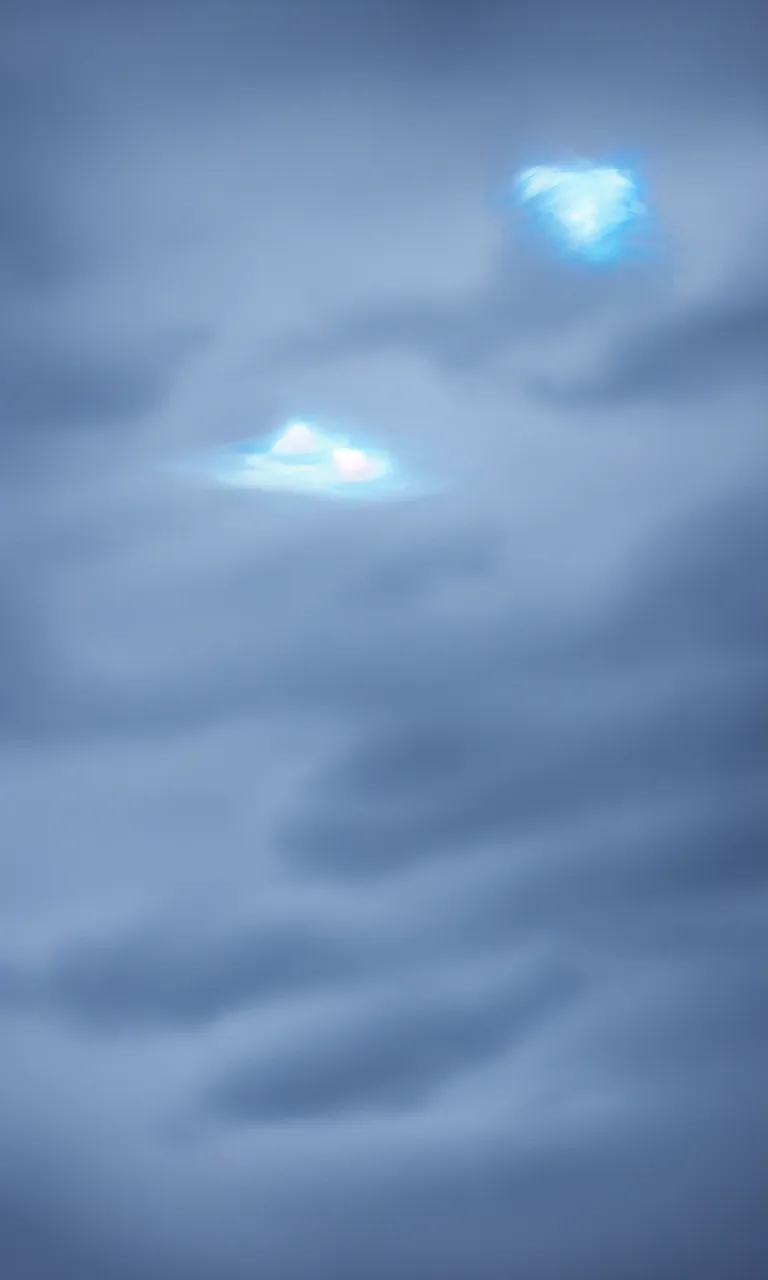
(380, 893)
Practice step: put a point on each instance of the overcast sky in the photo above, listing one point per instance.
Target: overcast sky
(383, 891)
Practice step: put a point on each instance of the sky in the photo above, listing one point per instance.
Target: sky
(383, 890)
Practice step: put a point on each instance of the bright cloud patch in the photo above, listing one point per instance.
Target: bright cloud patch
(304, 460)
(590, 210)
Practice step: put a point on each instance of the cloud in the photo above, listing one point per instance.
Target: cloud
(704, 348)
(392, 1057)
(380, 894)
(65, 367)
(625, 788)
(69, 388)
(704, 594)
(175, 976)
(509, 751)
(526, 296)
(40, 112)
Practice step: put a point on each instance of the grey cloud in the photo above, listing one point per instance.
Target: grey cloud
(55, 373)
(651, 883)
(15, 992)
(67, 386)
(172, 975)
(413, 728)
(34, 254)
(392, 1058)
(26, 658)
(691, 353)
(414, 790)
(38, 115)
(409, 573)
(620, 1207)
(607, 713)
(427, 39)
(528, 294)
(36, 1242)
(704, 349)
(53, 1223)
(619, 1192)
(366, 825)
(701, 588)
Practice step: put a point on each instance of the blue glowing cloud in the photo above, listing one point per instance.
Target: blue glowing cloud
(304, 460)
(589, 209)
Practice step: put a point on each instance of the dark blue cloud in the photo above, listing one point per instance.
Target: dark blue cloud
(174, 975)
(663, 697)
(390, 1059)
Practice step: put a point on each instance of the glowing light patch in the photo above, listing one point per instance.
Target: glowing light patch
(303, 460)
(298, 438)
(590, 209)
(353, 465)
